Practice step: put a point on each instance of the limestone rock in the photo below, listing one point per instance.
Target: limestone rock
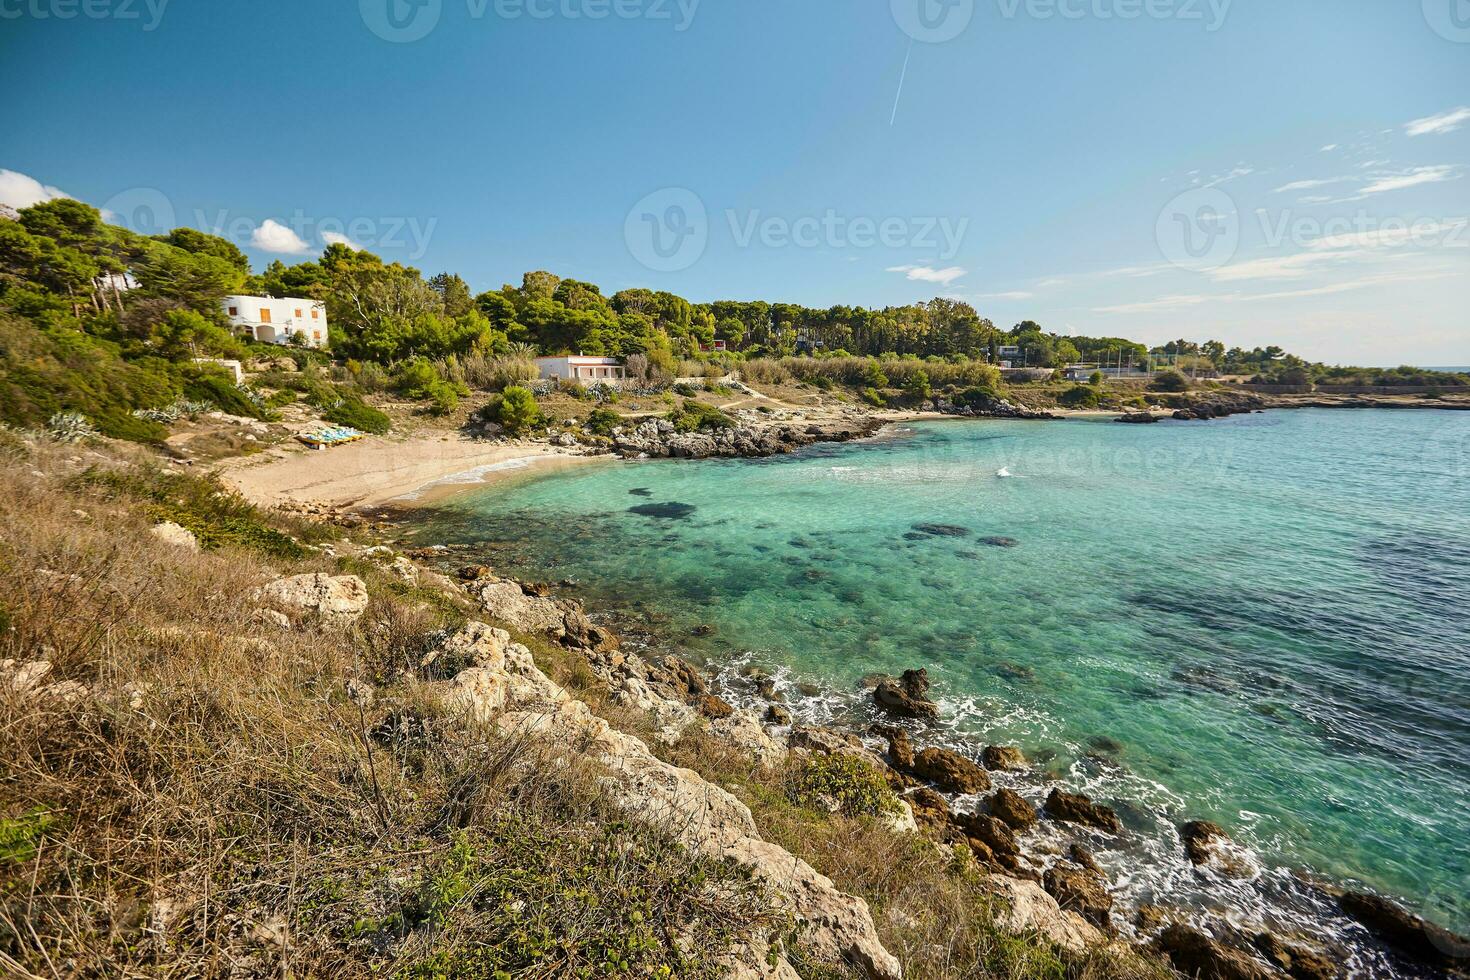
(341, 598)
(478, 694)
(1031, 910)
(1082, 890)
(1195, 954)
(176, 535)
(743, 731)
(1207, 844)
(1077, 808)
(950, 771)
(21, 677)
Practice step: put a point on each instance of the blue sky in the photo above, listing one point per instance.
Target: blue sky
(1258, 171)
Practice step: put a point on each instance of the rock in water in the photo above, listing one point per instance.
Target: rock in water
(1406, 932)
(942, 530)
(1011, 807)
(1207, 843)
(906, 696)
(1003, 757)
(669, 511)
(950, 771)
(1297, 960)
(1076, 808)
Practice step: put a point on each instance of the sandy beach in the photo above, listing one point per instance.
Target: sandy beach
(412, 471)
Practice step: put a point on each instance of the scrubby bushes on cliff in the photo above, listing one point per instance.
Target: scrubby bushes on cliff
(839, 784)
(693, 416)
(1169, 380)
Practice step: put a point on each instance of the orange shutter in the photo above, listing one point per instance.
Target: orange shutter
(265, 315)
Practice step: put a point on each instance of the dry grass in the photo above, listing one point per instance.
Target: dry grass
(221, 806)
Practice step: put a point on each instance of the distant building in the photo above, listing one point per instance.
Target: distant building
(278, 321)
(576, 367)
(713, 347)
(1011, 357)
(1079, 372)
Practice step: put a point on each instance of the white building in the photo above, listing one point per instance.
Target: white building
(569, 367)
(278, 321)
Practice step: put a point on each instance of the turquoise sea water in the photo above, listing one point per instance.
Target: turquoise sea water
(1263, 621)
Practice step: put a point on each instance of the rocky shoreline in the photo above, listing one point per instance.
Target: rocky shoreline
(1052, 882)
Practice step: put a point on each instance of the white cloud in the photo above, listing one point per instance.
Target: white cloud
(1163, 303)
(1328, 148)
(1306, 185)
(337, 238)
(1426, 233)
(1411, 178)
(20, 191)
(1234, 174)
(272, 236)
(1012, 294)
(1445, 122)
(922, 273)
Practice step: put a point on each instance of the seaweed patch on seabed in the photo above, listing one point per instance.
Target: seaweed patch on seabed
(641, 492)
(672, 511)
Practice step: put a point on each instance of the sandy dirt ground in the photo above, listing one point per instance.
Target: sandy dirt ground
(414, 470)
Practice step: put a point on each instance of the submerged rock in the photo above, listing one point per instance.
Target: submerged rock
(943, 530)
(1003, 757)
(671, 511)
(996, 541)
(1406, 932)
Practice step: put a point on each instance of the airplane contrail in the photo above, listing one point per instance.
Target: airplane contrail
(905, 74)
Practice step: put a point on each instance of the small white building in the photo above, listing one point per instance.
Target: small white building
(576, 367)
(278, 321)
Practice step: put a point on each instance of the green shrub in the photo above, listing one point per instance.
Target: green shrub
(979, 396)
(1169, 380)
(420, 379)
(874, 397)
(216, 387)
(601, 421)
(1080, 396)
(686, 390)
(1097, 378)
(845, 782)
(873, 376)
(695, 416)
(353, 411)
(515, 410)
(575, 389)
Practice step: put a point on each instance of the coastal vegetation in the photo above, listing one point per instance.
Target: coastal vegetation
(102, 323)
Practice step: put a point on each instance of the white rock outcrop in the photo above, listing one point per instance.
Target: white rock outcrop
(176, 535)
(337, 598)
(507, 690)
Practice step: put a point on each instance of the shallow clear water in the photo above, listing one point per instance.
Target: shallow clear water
(1263, 621)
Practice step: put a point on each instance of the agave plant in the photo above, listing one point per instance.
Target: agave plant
(70, 427)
